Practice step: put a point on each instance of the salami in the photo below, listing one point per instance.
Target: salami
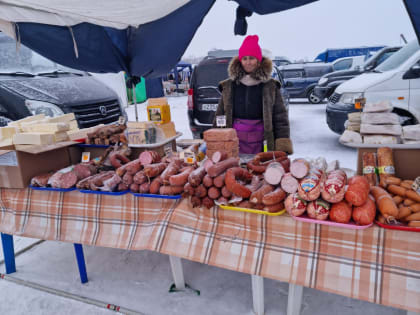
(213, 193)
(232, 176)
(139, 178)
(149, 157)
(207, 181)
(172, 169)
(196, 176)
(257, 196)
(144, 188)
(122, 187)
(188, 189)
(219, 168)
(274, 208)
(219, 156)
(318, 209)
(182, 178)
(127, 179)
(357, 191)
(155, 185)
(131, 168)
(289, 184)
(41, 180)
(365, 214)
(369, 167)
(310, 186)
(153, 170)
(274, 197)
(133, 187)
(334, 187)
(299, 168)
(171, 190)
(295, 205)
(225, 192)
(219, 181)
(340, 212)
(207, 202)
(274, 173)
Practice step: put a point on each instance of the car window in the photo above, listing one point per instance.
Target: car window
(343, 64)
(385, 56)
(210, 74)
(289, 74)
(399, 57)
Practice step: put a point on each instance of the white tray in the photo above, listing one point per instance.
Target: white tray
(157, 144)
(392, 146)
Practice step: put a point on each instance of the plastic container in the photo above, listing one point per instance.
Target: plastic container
(398, 227)
(98, 192)
(52, 189)
(353, 226)
(156, 196)
(273, 214)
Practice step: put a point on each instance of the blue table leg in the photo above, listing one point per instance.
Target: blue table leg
(81, 262)
(8, 252)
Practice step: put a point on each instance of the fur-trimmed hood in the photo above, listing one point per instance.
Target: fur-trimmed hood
(262, 73)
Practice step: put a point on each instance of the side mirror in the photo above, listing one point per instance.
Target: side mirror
(369, 67)
(289, 84)
(412, 73)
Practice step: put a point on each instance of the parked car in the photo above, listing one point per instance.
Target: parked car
(204, 95)
(281, 60)
(31, 84)
(329, 82)
(348, 63)
(301, 78)
(397, 80)
(332, 54)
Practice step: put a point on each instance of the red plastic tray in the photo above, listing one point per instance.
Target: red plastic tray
(353, 226)
(398, 227)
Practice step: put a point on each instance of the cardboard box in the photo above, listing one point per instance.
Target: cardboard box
(19, 164)
(406, 162)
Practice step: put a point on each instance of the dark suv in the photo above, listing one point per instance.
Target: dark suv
(204, 95)
(31, 84)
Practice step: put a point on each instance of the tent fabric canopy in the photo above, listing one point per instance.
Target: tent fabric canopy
(141, 37)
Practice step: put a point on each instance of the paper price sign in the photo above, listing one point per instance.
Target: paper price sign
(221, 121)
(85, 157)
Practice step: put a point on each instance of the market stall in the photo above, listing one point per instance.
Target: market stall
(128, 186)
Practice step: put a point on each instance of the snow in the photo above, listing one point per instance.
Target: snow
(139, 280)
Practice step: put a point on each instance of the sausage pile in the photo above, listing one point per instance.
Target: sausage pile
(107, 135)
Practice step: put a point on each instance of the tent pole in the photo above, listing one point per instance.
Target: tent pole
(135, 101)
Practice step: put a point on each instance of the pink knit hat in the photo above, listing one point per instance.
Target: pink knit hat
(250, 47)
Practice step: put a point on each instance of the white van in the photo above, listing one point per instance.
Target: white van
(397, 79)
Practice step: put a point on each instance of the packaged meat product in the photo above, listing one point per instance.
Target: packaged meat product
(357, 191)
(394, 130)
(333, 165)
(365, 214)
(318, 209)
(295, 205)
(369, 167)
(333, 189)
(309, 187)
(340, 212)
(355, 117)
(411, 132)
(386, 166)
(351, 137)
(405, 141)
(383, 106)
(380, 139)
(41, 180)
(380, 118)
(64, 178)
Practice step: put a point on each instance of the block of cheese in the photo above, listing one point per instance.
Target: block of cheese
(73, 125)
(63, 118)
(34, 138)
(384, 106)
(46, 127)
(380, 118)
(61, 136)
(394, 130)
(220, 134)
(354, 117)
(6, 142)
(168, 129)
(17, 123)
(351, 137)
(7, 132)
(380, 139)
(411, 132)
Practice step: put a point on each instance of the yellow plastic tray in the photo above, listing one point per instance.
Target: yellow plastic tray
(253, 210)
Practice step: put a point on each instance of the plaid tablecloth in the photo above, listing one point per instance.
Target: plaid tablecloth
(376, 265)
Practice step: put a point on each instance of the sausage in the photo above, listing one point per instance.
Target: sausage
(222, 200)
(42, 180)
(219, 168)
(274, 208)
(413, 195)
(144, 188)
(295, 205)
(334, 186)
(117, 160)
(259, 165)
(319, 209)
(396, 190)
(392, 180)
(403, 213)
(172, 169)
(364, 214)
(171, 190)
(84, 170)
(155, 185)
(258, 206)
(385, 164)
(219, 181)
(131, 167)
(149, 157)
(189, 189)
(213, 193)
(219, 156)
(357, 191)
(207, 181)
(182, 178)
(274, 173)
(397, 199)
(407, 202)
(195, 201)
(384, 202)
(232, 175)
(289, 184)
(127, 179)
(133, 187)
(139, 178)
(341, 212)
(275, 197)
(196, 176)
(369, 167)
(153, 170)
(310, 186)
(200, 191)
(207, 202)
(257, 196)
(207, 163)
(225, 192)
(299, 168)
(246, 204)
(122, 187)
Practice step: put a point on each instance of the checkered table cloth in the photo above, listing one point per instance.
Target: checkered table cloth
(376, 265)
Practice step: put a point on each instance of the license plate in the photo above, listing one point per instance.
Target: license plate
(209, 107)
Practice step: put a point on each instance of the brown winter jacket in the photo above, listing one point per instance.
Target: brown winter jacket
(275, 115)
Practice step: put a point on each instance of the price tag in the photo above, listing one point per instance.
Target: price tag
(359, 103)
(221, 121)
(85, 157)
(167, 148)
(121, 120)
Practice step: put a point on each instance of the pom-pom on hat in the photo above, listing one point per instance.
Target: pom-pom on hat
(250, 47)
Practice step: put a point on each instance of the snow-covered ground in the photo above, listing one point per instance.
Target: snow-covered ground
(139, 280)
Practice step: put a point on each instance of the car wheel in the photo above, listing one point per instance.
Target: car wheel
(312, 98)
(4, 121)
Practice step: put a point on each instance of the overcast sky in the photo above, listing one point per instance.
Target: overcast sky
(306, 31)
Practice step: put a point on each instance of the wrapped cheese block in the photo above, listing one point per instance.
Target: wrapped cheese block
(405, 141)
(380, 118)
(384, 106)
(351, 137)
(354, 117)
(411, 132)
(394, 130)
(380, 139)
